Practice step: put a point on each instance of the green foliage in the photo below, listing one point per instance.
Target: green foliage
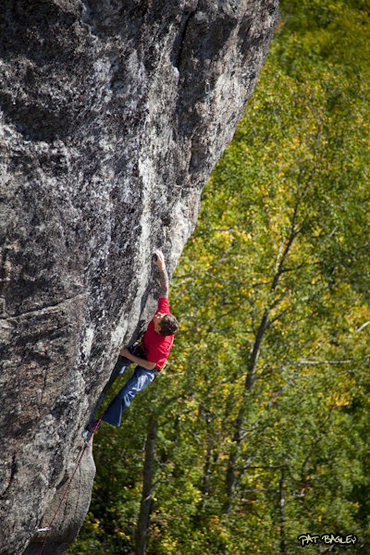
(264, 399)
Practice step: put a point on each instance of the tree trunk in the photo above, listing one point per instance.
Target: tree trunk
(205, 484)
(281, 511)
(238, 424)
(146, 496)
(231, 473)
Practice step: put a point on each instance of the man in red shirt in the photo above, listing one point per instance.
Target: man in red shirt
(151, 354)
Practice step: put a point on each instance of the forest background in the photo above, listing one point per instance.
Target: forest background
(255, 433)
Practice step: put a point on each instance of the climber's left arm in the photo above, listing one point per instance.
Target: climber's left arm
(140, 361)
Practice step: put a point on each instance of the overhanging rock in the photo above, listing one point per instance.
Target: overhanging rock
(113, 114)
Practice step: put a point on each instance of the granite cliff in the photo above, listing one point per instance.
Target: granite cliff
(112, 116)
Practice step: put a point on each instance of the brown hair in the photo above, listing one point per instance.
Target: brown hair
(169, 325)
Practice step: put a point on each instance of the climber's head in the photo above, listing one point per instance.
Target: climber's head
(165, 324)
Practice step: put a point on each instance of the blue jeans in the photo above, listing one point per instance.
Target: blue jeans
(140, 379)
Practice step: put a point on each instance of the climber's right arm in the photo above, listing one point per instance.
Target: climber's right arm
(163, 275)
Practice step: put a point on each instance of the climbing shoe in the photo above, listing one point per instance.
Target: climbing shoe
(90, 429)
(86, 435)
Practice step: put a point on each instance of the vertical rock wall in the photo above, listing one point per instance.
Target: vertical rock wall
(112, 115)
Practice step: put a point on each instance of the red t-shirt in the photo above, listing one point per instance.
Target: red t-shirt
(157, 347)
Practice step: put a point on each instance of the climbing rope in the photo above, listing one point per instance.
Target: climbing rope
(50, 526)
(96, 426)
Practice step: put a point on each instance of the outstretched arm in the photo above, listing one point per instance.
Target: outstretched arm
(158, 260)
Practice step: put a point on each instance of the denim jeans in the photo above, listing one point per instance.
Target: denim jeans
(140, 379)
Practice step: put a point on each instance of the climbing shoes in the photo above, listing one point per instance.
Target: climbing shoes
(90, 429)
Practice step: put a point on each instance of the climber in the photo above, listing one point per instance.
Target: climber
(150, 355)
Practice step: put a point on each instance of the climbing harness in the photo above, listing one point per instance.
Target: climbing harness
(79, 460)
(207, 91)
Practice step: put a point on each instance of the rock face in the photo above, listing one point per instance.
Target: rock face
(113, 113)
